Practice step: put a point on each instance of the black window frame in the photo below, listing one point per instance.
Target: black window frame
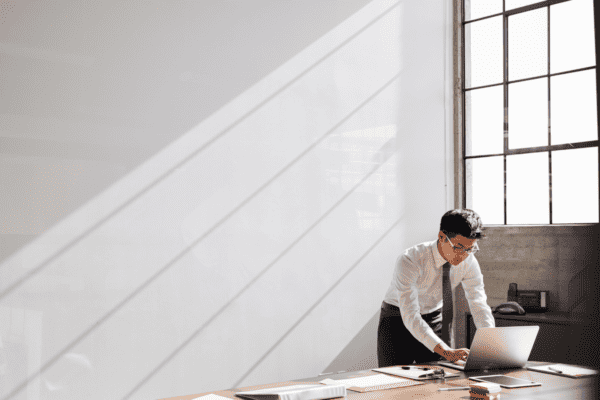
(462, 187)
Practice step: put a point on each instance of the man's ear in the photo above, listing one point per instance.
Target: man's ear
(441, 236)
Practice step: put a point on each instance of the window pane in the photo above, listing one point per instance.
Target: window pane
(485, 188)
(527, 189)
(528, 114)
(528, 44)
(483, 52)
(484, 111)
(572, 35)
(512, 4)
(575, 186)
(481, 8)
(573, 116)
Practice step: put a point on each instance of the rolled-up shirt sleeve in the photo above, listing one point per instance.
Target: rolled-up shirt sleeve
(475, 293)
(406, 275)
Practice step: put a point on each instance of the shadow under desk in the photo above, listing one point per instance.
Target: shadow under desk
(562, 338)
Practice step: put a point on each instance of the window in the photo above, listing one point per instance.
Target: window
(529, 101)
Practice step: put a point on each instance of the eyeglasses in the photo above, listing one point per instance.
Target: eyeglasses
(459, 249)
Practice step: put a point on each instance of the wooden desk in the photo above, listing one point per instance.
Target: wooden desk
(553, 387)
(561, 338)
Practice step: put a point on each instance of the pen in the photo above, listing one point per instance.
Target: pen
(555, 370)
(455, 388)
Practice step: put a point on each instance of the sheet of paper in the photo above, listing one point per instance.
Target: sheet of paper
(280, 389)
(297, 392)
(366, 381)
(570, 370)
(412, 373)
(212, 397)
(408, 373)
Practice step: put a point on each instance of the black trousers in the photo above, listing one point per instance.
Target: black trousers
(396, 345)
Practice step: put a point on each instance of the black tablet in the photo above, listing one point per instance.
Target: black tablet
(506, 381)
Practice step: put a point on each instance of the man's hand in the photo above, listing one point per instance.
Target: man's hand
(452, 355)
(455, 355)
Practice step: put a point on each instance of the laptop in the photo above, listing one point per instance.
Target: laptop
(500, 347)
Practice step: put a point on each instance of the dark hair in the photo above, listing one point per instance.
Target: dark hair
(463, 222)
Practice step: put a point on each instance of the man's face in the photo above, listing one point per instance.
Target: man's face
(454, 250)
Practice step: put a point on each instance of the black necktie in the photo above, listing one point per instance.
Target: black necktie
(447, 307)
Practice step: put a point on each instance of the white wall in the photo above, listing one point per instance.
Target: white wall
(198, 195)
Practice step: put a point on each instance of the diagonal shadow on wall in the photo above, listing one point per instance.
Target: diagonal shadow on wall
(34, 271)
(384, 154)
(114, 120)
(360, 352)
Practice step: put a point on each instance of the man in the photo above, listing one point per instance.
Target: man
(414, 321)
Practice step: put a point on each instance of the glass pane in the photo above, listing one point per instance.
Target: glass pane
(483, 52)
(572, 35)
(512, 4)
(485, 188)
(573, 112)
(528, 44)
(484, 111)
(528, 114)
(481, 8)
(575, 186)
(527, 189)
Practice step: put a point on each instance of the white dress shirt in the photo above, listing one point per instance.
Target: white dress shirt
(416, 289)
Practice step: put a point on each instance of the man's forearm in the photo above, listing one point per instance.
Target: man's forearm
(441, 349)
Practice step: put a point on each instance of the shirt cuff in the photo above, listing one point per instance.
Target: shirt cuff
(431, 341)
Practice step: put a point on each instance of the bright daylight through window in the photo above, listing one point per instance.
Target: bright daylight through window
(530, 126)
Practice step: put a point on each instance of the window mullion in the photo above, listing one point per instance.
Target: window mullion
(596, 30)
(549, 127)
(464, 112)
(505, 79)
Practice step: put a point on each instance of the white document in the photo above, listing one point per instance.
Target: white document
(366, 381)
(212, 397)
(413, 373)
(296, 392)
(407, 373)
(564, 369)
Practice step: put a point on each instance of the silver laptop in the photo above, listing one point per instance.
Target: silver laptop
(504, 347)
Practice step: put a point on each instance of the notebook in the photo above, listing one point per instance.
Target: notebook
(501, 347)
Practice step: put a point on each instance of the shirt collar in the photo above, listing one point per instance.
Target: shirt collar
(437, 257)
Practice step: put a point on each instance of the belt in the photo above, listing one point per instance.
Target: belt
(390, 310)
